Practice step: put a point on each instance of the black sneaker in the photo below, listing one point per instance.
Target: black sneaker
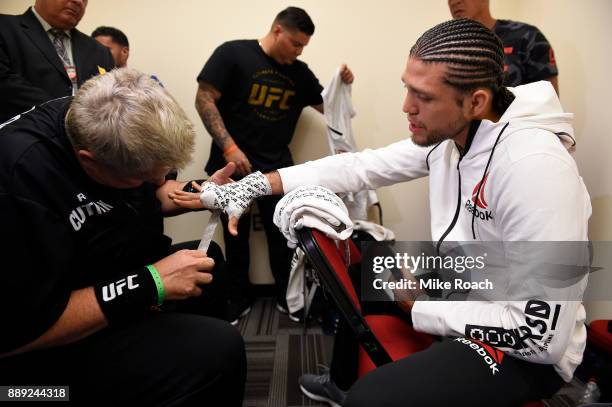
(237, 309)
(322, 388)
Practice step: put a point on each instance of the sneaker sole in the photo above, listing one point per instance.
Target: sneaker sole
(281, 309)
(243, 314)
(284, 311)
(319, 398)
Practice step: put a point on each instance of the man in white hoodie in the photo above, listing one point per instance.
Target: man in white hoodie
(498, 171)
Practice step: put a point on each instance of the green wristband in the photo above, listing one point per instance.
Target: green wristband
(161, 293)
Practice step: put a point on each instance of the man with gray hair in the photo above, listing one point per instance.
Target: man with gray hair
(91, 284)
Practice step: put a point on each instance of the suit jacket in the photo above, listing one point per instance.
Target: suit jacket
(31, 72)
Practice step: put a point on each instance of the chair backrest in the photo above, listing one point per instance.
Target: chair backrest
(327, 259)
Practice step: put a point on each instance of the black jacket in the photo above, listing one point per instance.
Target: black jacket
(60, 229)
(31, 72)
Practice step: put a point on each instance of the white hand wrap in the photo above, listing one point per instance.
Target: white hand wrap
(235, 198)
(315, 207)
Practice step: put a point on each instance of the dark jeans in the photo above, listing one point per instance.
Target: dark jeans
(451, 373)
(213, 301)
(237, 252)
(167, 359)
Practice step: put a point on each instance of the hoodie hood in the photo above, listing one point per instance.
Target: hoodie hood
(536, 106)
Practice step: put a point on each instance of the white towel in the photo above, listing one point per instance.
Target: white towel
(295, 286)
(315, 207)
(338, 108)
(378, 232)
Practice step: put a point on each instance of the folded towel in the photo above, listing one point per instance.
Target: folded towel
(378, 232)
(315, 207)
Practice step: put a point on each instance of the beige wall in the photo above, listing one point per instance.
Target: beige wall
(580, 33)
(174, 39)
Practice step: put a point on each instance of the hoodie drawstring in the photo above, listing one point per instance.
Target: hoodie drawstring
(484, 175)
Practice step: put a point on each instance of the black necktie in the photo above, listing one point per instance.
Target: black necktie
(58, 42)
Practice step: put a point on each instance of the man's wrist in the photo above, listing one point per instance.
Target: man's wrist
(229, 149)
(159, 284)
(259, 184)
(276, 183)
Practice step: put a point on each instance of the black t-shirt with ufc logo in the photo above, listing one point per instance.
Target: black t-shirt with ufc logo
(260, 102)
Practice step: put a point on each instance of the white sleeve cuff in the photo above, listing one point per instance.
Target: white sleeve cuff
(429, 316)
(297, 176)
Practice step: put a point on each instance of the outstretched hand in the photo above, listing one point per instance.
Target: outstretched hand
(233, 198)
(222, 176)
(191, 200)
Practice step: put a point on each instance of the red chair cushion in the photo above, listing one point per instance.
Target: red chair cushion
(599, 336)
(397, 337)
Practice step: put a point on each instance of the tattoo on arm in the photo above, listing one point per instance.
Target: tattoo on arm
(206, 107)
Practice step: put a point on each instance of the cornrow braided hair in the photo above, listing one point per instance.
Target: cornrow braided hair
(474, 55)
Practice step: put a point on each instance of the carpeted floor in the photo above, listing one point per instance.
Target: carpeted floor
(279, 352)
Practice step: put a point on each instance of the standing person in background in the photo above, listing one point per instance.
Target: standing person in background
(116, 42)
(43, 56)
(250, 96)
(528, 54)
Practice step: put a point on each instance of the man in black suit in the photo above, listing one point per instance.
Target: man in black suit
(43, 56)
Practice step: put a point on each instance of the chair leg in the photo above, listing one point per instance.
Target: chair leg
(309, 294)
(306, 304)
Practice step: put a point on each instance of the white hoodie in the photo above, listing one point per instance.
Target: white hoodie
(531, 192)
